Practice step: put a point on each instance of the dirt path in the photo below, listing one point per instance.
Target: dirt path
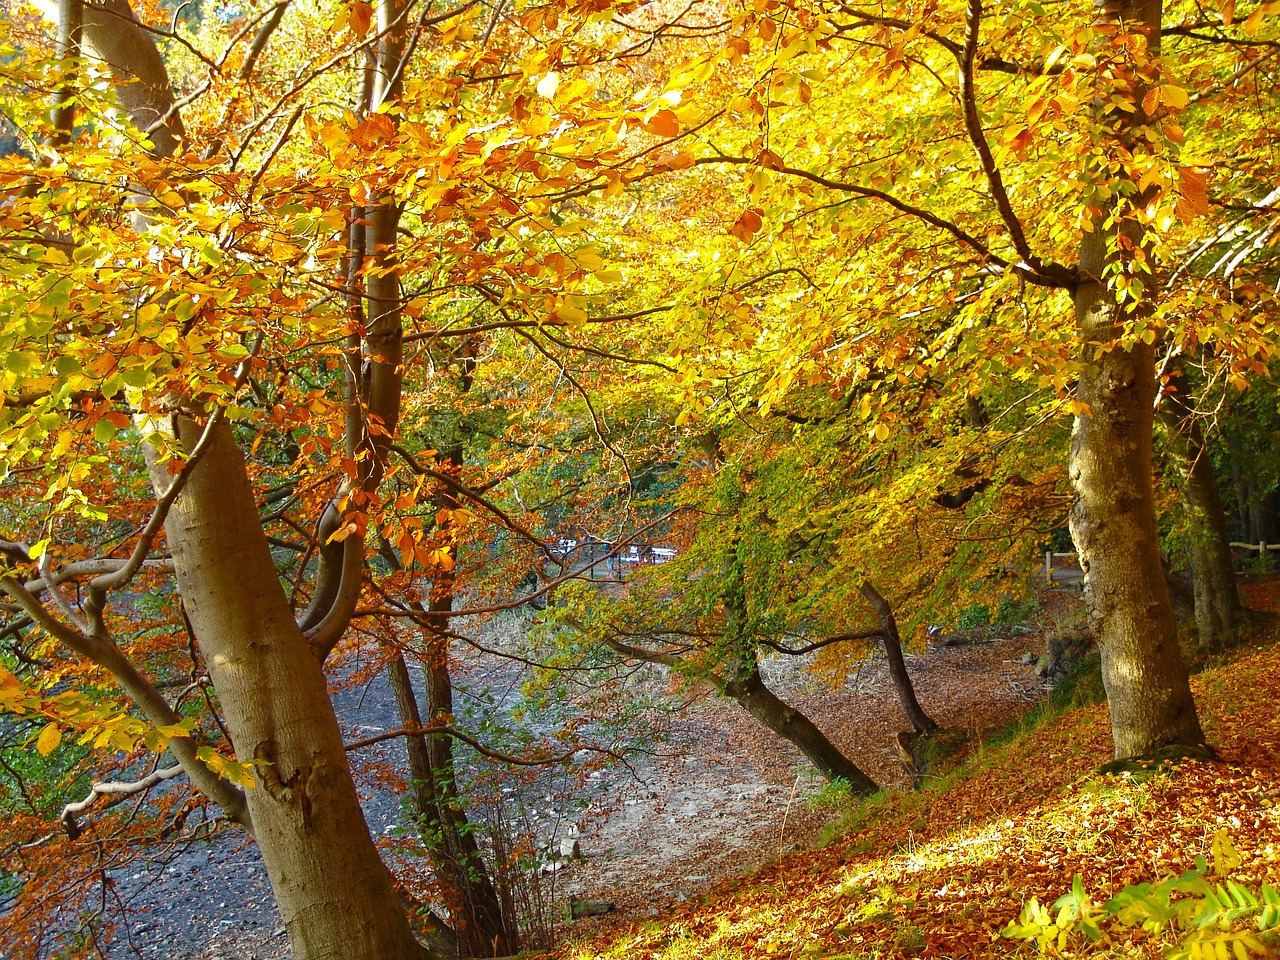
(723, 797)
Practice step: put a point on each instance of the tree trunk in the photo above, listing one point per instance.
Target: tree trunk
(920, 721)
(334, 893)
(1113, 520)
(1113, 525)
(793, 726)
(1218, 610)
(481, 926)
(746, 686)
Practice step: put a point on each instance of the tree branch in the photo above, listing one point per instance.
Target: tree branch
(99, 585)
(115, 792)
(973, 126)
(142, 692)
(819, 644)
(480, 748)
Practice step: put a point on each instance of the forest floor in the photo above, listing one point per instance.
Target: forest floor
(942, 872)
(722, 796)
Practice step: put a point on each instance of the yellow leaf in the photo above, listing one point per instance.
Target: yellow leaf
(589, 259)
(880, 431)
(48, 740)
(571, 314)
(1173, 96)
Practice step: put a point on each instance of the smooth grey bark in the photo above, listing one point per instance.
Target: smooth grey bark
(334, 893)
(114, 37)
(1113, 519)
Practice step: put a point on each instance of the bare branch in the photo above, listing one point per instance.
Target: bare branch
(118, 578)
(1048, 275)
(475, 497)
(142, 692)
(973, 126)
(819, 644)
(115, 792)
(61, 602)
(479, 747)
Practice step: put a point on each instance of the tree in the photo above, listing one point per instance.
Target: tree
(1218, 610)
(251, 287)
(235, 609)
(957, 282)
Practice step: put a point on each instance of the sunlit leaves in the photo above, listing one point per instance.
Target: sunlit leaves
(96, 721)
(49, 739)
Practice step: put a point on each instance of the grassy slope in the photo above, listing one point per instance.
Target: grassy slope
(941, 872)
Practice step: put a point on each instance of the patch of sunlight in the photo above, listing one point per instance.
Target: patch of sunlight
(969, 847)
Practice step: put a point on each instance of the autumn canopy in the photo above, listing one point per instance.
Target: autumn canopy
(332, 330)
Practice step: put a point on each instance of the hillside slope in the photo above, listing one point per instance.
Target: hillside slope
(941, 873)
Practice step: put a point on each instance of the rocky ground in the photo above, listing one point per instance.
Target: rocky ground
(719, 797)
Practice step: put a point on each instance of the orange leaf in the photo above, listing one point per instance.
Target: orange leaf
(361, 16)
(664, 123)
(747, 226)
(1193, 192)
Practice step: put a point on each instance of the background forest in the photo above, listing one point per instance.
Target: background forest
(686, 337)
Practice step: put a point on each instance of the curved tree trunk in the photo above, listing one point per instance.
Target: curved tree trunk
(920, 721)
(1218, 610)
(793, 726)
(747, 687)
(334, 893)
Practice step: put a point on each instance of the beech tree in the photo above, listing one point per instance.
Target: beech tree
(227, 329)
(221, 277)
(1023, 205)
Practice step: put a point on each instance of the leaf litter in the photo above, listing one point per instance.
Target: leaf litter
(940, 873)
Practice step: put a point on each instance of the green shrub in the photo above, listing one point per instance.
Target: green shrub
(971, 617)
